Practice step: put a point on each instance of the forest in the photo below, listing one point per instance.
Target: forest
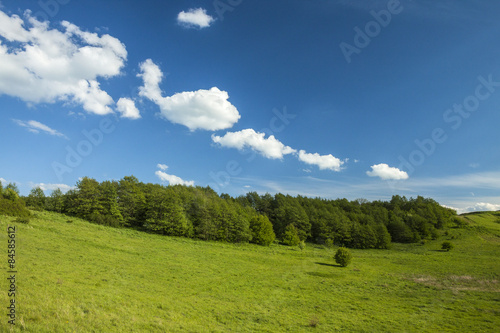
(199, 212)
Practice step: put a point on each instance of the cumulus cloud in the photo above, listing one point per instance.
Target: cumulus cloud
(127, 108)
(386, 172)
(195, 18)
(36, 127)
(44, 65)
(482, 206)
(51, 187)
(268, 147)
(324, 162)
(162, 166)
(201, 109)
(173, 180)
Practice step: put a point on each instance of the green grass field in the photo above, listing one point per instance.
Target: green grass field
(80, 277)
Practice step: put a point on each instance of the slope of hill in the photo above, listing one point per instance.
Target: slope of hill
(73, 276)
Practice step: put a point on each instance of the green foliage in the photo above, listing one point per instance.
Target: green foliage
(285, 211)
(329, 243)
(10, 194)
(302, 245)
(84, 201)
(201, 213)
(131, 201)
(164, 214)
(13, 187)
(262, 230)
(55, 202)
(36, 199)
(23, 220)
(343, 257)
(11, 204)
(291, 236)
(447, 246)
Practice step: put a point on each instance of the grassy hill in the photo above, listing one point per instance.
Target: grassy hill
(73, 276)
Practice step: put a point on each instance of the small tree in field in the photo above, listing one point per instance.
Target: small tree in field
(291, 237)
(343, 256)
(447, 246)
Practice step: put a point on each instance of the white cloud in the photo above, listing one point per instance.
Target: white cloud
(324, 162)
(51, 187)
(162, 166)
(173, 180)
(127, 108)
(201, 109)
(44, 65)
(248, 138)
(482, 206)
(386, 172)
(35, 127)
(195, 18)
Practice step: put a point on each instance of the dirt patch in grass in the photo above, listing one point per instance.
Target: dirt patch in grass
(458, 283)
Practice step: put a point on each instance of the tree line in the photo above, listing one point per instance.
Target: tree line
(199, 212)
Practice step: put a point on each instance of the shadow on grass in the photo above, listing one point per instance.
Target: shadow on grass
(325, 264)
(323, 275)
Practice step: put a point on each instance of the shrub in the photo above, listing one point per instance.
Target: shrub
(14, 207)
(291, 236)
(314, 321)
(302, 245)
(447, 246)
(262, 230)
(24, 220)
(343, 256)
(329, 243)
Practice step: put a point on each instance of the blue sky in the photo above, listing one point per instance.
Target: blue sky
(330, 98)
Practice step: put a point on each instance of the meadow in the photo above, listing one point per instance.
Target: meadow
(74, 276)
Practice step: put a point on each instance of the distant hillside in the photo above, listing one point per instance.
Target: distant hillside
(484, 220)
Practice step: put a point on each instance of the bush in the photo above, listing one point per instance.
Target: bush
(329, 243)
(302, 245)
(447, 246)
(14, 207)
(343, 256)
(262, 230)
(291, 236)
(24, 220)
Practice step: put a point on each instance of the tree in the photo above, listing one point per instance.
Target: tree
(291, 236)
(164, 214)
(287, 210)
(343, 256)
(13, 187)
(10, 194)
(109, 205)
(55, 202)
(84, 202)
(36, 198)
(447, 246)
(262, 230)
(131, 201)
